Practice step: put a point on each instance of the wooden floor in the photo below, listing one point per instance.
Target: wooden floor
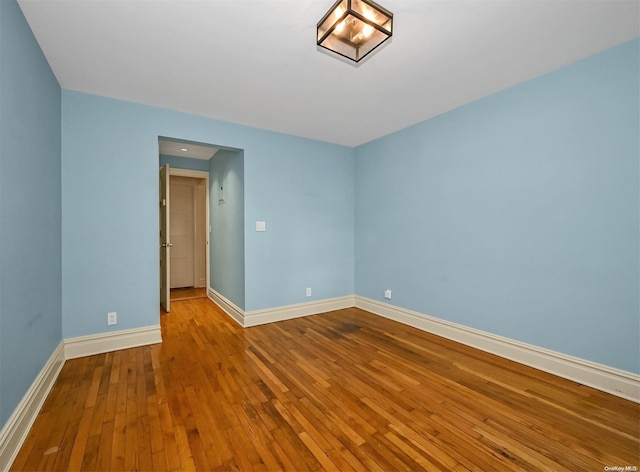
(340, 391)
(188, 293)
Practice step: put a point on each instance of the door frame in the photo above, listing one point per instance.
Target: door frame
(199, 174)
(164, 226)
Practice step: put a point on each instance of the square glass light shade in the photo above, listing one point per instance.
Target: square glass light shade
(354, 28)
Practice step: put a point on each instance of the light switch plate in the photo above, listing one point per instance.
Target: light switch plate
(261, 226)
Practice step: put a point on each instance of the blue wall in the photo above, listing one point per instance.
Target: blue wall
(30, 209)
(184, 163)
(516, 214)
(226, 207)
(304, 192)
(303, 189)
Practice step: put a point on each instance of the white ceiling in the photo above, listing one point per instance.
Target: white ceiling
(170, 147)
(255, 62)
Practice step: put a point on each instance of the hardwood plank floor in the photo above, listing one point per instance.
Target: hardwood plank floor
(188, 293)
(344, 390)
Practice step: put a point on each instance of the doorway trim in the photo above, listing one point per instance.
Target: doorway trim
(199, 174)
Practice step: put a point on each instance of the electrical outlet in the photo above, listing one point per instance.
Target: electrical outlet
(387, 294)
(112, 318)
(308, 291)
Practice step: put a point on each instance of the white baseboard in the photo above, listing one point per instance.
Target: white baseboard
(106, 342)
(17, 427)
(608, 379)
(288, 312)
(227, 306)
(279, 313)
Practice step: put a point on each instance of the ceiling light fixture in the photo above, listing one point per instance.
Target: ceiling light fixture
(354, 28)
(184, 149)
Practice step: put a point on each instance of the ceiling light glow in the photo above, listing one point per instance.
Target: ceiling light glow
(354, 28)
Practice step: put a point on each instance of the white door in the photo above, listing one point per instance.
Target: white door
(182, 232)
(165, 245)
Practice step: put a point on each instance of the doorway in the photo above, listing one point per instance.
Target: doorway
(188, 235)
(223, 171)
(184, 235)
